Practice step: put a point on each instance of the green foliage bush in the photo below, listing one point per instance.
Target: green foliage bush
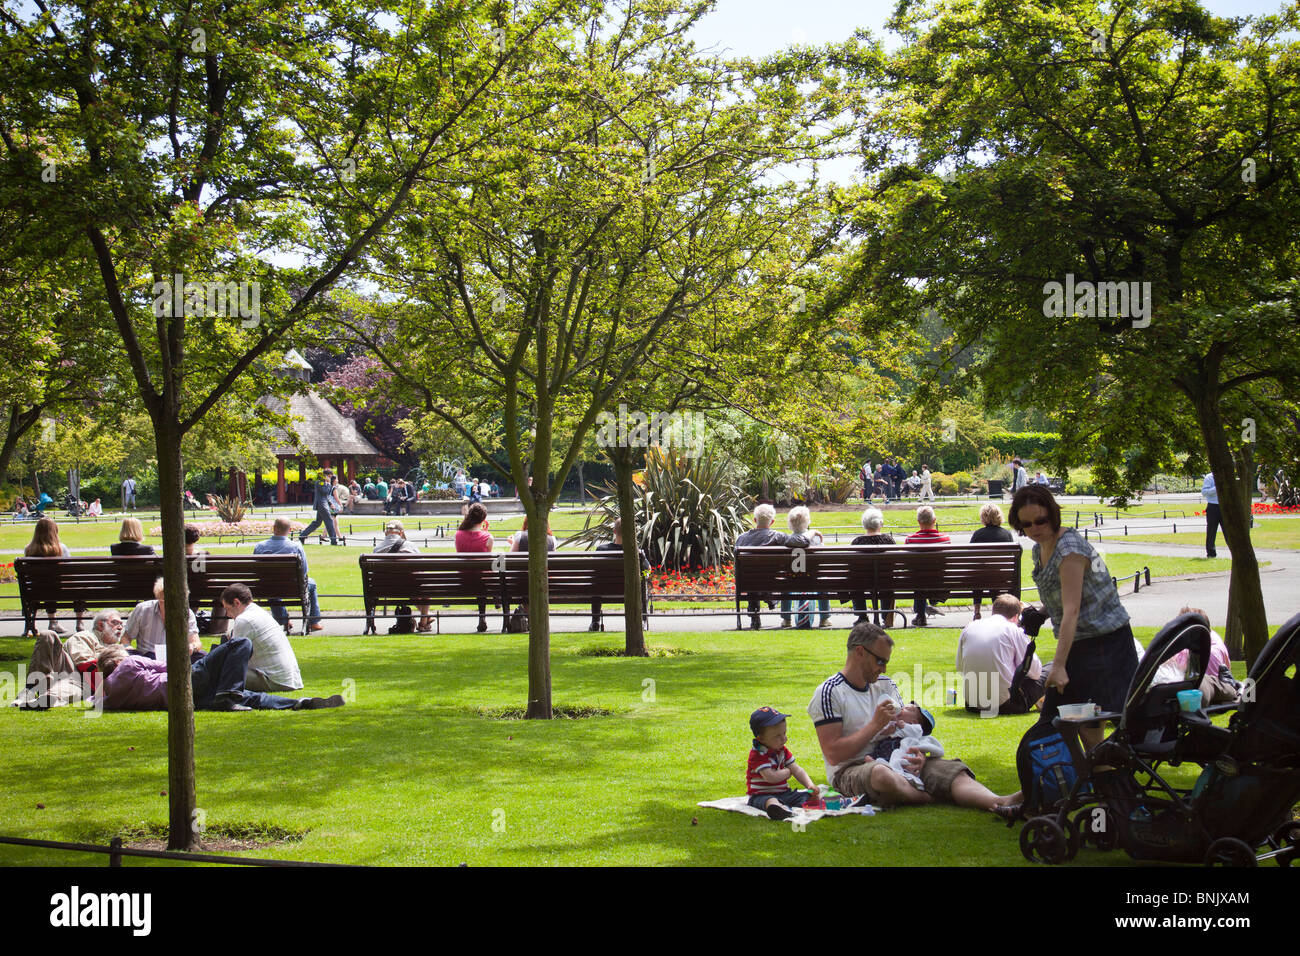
(943, 484)
(1024, 444)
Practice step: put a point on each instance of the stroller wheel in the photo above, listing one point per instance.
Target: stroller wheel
(1229, 851)
(1095, 826)
(1043, 841)
(1287, 839)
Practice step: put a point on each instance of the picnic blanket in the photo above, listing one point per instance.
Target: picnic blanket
(801, 816)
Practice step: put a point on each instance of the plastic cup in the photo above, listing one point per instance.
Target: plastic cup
(1189, 700)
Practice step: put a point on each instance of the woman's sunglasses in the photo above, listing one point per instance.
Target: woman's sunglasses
(1025, 523)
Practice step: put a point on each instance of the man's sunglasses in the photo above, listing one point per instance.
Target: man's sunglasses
(882, 661)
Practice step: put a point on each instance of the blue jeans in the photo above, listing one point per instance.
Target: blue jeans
(313, 606)
(221, 673)
(323, 516)
(823, 605)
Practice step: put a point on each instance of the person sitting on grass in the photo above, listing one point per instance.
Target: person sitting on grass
(146, 628)
(137, 683)
(851, 710)
(989, 651)
(771, 765)
(272, 665)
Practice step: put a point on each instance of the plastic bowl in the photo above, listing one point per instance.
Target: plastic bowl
(1189, 700)
(1075, 711)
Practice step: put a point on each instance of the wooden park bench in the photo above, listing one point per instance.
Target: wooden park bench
(499, 579)
(878, 571)
(84, 583)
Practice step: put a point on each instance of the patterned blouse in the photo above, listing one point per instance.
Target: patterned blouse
(1100, 610)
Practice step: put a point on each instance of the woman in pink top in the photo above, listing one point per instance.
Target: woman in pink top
(472, 536)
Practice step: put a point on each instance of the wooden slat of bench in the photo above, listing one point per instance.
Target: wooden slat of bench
(86, 583)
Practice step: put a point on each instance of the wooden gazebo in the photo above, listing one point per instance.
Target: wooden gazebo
(329, 435)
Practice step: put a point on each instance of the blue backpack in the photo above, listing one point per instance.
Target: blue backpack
(1045, 763)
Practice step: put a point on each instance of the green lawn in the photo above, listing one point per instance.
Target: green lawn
(1267, 533)
(411, 773)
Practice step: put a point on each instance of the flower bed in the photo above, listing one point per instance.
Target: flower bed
(1259, 508)
(211, 529)
(7, 573)
(688, 583)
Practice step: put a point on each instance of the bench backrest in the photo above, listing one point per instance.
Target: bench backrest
(577, 578)
(896, 568)
(94, 582)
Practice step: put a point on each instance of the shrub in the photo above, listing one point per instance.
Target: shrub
(688, 512)
(943, 484)
(964, 480)
(230, 510)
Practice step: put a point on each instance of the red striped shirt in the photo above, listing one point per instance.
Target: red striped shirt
(762, 758)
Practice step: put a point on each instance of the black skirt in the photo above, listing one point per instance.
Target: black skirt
(1100, 670)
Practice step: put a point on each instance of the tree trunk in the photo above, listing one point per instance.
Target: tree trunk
(181, 796)
(633, 632)
(1247, 625)
(539, 618)
(18, 426)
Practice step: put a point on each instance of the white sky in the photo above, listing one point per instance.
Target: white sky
(759, 27)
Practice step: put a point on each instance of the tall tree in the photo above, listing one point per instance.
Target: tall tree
(1105, 197)
(198, 148)
(538, 282)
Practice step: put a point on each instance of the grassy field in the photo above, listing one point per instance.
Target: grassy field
(1267, 533)
(411, 772)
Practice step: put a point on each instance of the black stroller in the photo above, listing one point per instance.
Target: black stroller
(1240, 809)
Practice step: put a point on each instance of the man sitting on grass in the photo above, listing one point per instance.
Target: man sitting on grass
(137, 683)
(988, 653)
(272, 664)
(145, 626)
(855, 707)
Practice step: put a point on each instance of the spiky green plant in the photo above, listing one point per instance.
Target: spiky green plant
(688, 512)
(229, 509)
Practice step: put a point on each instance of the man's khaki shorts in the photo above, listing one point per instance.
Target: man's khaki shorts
(938, 774)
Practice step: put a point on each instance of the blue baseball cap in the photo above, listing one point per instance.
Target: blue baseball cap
(765, 717)
(927, 721)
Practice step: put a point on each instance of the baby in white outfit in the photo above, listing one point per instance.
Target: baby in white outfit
(911, 728)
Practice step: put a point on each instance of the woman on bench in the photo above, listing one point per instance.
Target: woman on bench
(473, 537)
(45, 543)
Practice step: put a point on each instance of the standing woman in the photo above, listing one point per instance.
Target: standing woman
(1095, 658)
(473, 536)
(45, 543)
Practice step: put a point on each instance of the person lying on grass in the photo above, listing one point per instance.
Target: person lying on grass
(771, 765)
(851, 711)
(138, 683)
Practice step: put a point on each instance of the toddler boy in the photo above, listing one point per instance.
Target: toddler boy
(771, 765)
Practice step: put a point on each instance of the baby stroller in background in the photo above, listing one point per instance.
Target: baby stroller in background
(44, 502)
(1250, 781)
(72, 506)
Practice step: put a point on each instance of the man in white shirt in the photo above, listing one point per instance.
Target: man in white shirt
(855, 707)
(926, 491)
(988, 653)
(146, 628)
(272, 666)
